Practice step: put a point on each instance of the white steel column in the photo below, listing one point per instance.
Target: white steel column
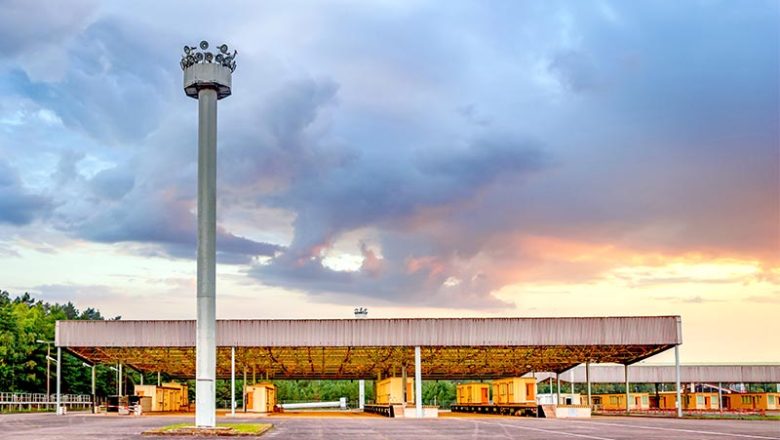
(159, 379)
(233, 381)
(121, 380)
(206, 349)
(361, 393)
(587, 379)
(628, 391)
(59, 379)
(677, 379)
(404, 383)
(94, 396)
(720, 396)
(417, 384)
(243, 392)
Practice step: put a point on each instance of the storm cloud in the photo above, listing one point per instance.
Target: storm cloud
(407, 153)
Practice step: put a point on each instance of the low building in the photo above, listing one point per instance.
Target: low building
(752, 401)
(261, 397)
(474, 393)
(617, 402)
(170, 396)
(691, 401)
(390, 391)
(514, 390)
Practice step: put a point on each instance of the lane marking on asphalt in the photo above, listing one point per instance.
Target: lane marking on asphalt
(694, 431)
(548, 431)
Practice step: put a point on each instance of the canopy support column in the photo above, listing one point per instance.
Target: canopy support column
(243, 393)
(361, 393)
(404, 383)
(59, 380)
(628, 390)
(677, 378)
(720, 396)
(558, 394)
(417, 384)
(233, 381)
(587, 379)
(94, 396)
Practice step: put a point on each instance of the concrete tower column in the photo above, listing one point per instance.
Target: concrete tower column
(207, 77)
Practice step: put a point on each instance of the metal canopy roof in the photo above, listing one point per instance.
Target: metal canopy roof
(452, 348)
(743, 373)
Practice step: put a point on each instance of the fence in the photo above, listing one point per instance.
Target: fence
(39, 401)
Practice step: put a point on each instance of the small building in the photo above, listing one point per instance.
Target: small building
(474, 393)
(691, 401)
(752, 401)
(514, 390)
(261, 397)
(390, 391)
(617, 402)
(170, 396)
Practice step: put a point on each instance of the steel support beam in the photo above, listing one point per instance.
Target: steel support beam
(233, 381)
(403, 383)
(94, 395)
(587, 379)
(59, 380)
(628, 389)
(362, 393)
(677, 379)
(720, 396)
(558, 394)
(418, 409)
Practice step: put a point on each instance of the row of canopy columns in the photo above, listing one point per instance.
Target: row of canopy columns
(417, 383)
(628, 385)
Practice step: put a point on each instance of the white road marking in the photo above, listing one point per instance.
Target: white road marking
(694, 431)
(549, 431)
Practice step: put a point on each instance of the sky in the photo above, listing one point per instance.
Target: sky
(418, 158)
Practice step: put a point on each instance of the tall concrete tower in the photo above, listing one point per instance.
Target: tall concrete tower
(207, 78)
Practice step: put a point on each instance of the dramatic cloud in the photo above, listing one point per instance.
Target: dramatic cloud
(17, 205)
(409, 153)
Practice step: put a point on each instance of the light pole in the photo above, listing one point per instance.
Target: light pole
(207, 78)
(48, 368)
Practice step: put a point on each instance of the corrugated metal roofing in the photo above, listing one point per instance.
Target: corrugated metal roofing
(655, 330)
(769, 373)
(364, 348)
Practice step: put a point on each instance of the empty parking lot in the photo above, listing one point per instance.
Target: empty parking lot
(89, 427)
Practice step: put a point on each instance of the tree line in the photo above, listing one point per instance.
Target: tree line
(26, 324)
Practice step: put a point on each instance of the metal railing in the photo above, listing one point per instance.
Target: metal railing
(30, 400)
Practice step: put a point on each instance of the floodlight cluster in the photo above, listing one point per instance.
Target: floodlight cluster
(194, 56)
